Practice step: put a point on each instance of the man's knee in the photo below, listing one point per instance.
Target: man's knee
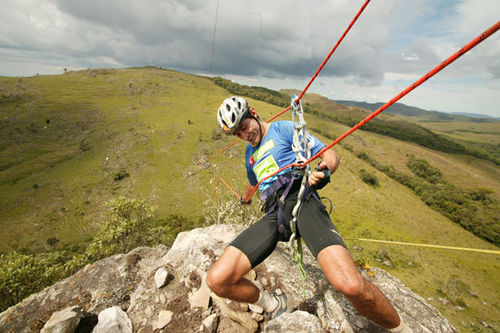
(216, 280)
(356, 289)
(227, 271)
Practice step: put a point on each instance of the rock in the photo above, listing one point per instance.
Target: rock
(161, 277)
(243, 318)
(64, 321)
(129, 281)
(272, 280)
(210, 323)
(200, 298)
(255, 308)
(164, 318)
(264, 281)
(330, 312)
(295, 322)
(443, 300)
(113, 320)
(387, 262)
(243, 307)
(94, 288)
(250, 276)
(257, 317)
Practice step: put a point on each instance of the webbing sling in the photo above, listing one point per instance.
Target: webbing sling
(283, 180)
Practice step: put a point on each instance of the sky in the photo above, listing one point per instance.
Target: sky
(276, 44)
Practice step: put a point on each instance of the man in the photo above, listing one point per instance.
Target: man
(269, 149)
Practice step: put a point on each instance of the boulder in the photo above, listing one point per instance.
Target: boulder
(295, 322)
(183, 304)
(64, 321)
(113, 320)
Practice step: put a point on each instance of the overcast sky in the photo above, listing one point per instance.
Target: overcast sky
(277, 44)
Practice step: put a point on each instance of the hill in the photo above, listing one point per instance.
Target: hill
(412, 111)
(77, 150)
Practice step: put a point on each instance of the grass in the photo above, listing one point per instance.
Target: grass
(158, 126)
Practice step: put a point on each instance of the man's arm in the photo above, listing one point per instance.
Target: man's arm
(246, 195)
(330, 160)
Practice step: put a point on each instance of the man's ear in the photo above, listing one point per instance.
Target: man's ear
(254, 113)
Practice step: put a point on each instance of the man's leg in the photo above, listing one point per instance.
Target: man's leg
(342, 274)
(225, 278)
(249, 249)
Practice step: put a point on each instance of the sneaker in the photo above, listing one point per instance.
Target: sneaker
(284, 305)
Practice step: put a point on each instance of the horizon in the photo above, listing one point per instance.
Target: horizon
(390, 46)
(467, 114)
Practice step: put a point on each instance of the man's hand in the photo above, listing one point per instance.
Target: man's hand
(320, 176)
(246, 195)
(243, 201)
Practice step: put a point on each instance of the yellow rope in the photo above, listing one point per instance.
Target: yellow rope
(426, 245)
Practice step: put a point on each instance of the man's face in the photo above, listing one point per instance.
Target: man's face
(249, 131)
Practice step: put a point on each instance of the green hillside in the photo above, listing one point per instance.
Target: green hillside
(72, 143)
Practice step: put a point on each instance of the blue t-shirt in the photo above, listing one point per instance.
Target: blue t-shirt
(273, 153)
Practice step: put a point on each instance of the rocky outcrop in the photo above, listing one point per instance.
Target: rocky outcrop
(164, 290)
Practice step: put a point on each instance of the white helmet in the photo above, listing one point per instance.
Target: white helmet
(231, 112)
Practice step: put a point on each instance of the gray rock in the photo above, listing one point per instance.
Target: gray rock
(444, 300)
(295, 322)
(255, 308)
(210, 323)
(113, 320)
(200, 298)
(264, 281)
(257, 317)
(164, 318)
(161, 277)
(94, 288)
(245, 319)
(64, 321)
(128, 281)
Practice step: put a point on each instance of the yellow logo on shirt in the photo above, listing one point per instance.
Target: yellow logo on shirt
(266, 167)
(266, 146)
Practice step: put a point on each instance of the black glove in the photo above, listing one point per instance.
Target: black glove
(323, 181)
(244, 201)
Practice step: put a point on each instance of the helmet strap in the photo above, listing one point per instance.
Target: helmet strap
(257, 119)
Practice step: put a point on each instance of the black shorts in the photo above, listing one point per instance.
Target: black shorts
(313, 224)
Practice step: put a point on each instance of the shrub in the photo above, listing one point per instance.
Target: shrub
(259, 93)
(475, 211)
(482, 194)
(368, 178)
(123, 230)
(126, 227)
(52, 241)
(24, 274)
(120, 175)
(130, 223)
(423, 169)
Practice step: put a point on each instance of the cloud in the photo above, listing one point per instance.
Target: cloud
(256, 38)
(280, 41)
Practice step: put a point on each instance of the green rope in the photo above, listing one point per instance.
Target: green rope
(298, 257)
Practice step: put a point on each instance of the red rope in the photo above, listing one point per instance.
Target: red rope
(230, 188)
(424, 78)
(315, 74)
(333, 50)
